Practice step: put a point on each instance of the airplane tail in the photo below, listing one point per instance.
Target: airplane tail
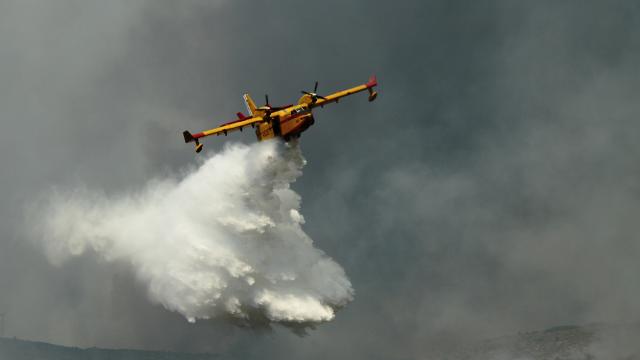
(251, 106)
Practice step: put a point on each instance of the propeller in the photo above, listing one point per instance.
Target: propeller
(267, 108)
(314, 95)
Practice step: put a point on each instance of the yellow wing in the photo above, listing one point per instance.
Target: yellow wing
(236, 125)
(223, 129)
(314, 100)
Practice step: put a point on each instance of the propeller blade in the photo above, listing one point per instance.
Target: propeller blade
(314, 95)
(266, 98)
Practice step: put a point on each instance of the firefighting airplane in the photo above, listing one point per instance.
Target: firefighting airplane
(287, 122)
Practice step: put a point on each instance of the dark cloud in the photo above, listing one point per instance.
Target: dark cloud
(491, 188)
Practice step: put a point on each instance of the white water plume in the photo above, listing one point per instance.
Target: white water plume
(226, 238)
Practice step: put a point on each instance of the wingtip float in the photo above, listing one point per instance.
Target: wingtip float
(286, 122)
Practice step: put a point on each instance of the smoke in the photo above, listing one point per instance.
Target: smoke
(226, 238)
(616, 342)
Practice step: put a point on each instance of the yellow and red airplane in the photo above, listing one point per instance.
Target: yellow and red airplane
(287, 122)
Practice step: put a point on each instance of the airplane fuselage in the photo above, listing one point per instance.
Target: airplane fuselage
(287, 123)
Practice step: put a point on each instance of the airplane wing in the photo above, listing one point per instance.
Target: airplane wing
(223, 129)
(335, 97)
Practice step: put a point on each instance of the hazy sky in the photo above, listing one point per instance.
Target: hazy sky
(492, 187)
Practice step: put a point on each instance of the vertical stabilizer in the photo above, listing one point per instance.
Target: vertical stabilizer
(251, 106)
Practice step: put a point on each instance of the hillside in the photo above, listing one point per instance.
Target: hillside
(590, 342)
(14, 349)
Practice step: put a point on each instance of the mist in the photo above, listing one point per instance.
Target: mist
(225, 238)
